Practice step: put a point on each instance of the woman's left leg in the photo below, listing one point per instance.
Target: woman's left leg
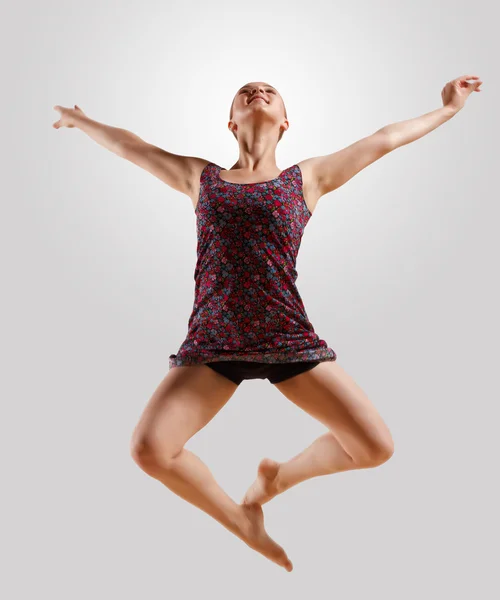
(357, 438)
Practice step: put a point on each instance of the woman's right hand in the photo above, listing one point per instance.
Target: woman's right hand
(68, 116)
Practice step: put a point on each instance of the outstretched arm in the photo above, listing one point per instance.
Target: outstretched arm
(173, 169)
(333, 170)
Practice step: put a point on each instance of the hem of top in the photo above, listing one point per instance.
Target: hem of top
(191, 363)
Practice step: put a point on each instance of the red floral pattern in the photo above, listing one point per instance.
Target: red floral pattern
(246, 304)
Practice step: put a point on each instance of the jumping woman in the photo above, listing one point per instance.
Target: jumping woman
(248, 320)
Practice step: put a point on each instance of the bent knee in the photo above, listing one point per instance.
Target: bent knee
(383, 454)
(376, 456)
(142, 454)
(150, 455)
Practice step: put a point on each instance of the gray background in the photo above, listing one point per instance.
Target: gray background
(397, 270)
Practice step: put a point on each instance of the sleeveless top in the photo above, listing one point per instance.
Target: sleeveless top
(246, 304)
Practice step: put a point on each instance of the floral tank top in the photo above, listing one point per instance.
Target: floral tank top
(246, 304)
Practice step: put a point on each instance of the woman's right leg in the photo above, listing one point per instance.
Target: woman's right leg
(185, 401)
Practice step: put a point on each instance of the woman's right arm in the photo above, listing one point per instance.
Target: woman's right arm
(173, 169)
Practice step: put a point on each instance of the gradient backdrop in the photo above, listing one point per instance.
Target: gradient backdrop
(398, 270)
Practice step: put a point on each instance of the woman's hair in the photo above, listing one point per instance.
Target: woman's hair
(231, 116)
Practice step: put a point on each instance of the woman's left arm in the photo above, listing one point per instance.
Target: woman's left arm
(331, 171)
(454, 95)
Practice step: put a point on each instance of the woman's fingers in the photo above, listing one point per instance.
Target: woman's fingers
(469, 77)
(64, 120)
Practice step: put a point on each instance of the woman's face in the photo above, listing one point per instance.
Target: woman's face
(248, 107)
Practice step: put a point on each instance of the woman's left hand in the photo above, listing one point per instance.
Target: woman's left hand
(456, 92)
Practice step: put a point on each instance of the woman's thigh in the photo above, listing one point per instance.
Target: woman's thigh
(185, 401)
(331, 396)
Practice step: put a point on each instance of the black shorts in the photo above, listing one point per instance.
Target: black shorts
(238, 370)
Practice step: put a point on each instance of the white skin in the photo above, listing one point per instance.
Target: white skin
(189, 397)
(362, 439)
(257, 124)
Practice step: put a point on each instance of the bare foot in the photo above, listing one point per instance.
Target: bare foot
(265, 487)
(257, 538)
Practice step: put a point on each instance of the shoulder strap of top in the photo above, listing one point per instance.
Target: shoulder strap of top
(207, 172)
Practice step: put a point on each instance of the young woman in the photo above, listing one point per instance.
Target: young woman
(248, 320)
